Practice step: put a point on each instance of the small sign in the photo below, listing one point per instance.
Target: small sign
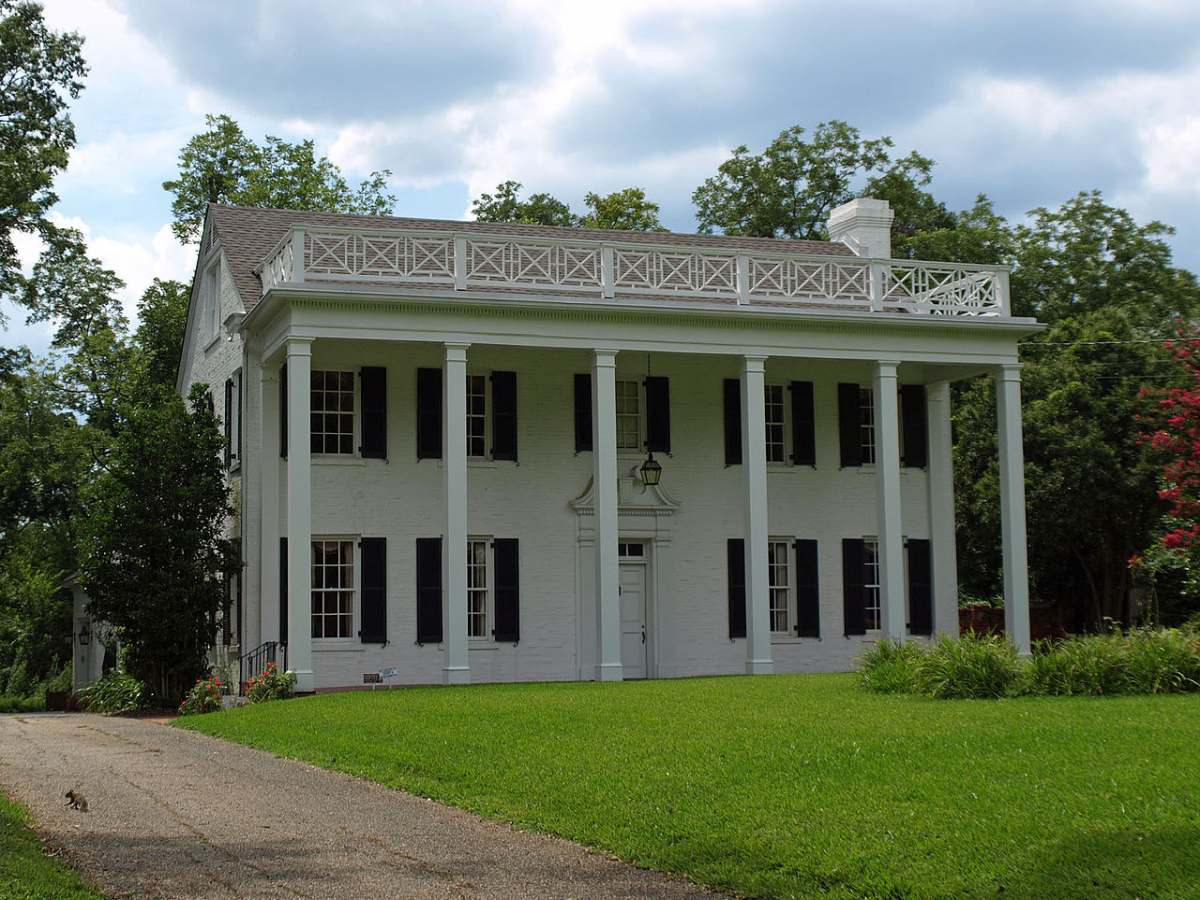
(372, 678)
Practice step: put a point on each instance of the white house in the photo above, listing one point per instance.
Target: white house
(438, 435)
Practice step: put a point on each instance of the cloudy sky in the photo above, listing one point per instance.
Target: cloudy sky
(1026, 101)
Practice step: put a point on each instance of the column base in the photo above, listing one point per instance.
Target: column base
(304, 682)
(610, 672)
(457, 674)
(760, 667)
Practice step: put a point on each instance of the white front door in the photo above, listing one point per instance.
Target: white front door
(633, 619)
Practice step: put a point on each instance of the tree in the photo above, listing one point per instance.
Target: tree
(72, 289)
(39, 71)
(626, 210)
(223, 165)
(791, 187)
(162, 320)
(507, 206)
(153, 550)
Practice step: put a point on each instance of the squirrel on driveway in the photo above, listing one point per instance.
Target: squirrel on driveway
(76, 800)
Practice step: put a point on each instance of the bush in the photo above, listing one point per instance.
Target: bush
(271, 685)
(1162, 661)
(891, 668)
(971, 666)
(115, 693)
(1095, 664)
(204, 697)
(13, 704)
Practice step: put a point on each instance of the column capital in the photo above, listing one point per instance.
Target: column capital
(456, 351)
(298, 346)
(606, 358)
(886, 368)
(1009, 371)
(754, 362)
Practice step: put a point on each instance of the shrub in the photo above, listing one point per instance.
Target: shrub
(973, 665)
(1093, 664)
(13, 704)
(891, 668)
(204, 697)
(271, 685)
(1162, 661)
(116, 692)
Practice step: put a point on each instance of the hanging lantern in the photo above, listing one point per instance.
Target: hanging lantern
(85, 634)
(651, 470)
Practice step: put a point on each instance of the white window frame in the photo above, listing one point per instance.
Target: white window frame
(210, 299)
(866, 424)
(780, 591)
(639, 415)
(872, 586)
(355, 591)
(488, 588)
(481, 417)
(356, 400)
(234, 413)
(781, 423)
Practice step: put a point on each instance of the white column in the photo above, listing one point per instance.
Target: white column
(1012, 506)
(887, 474)
(299, 489)
(266, 473)
(754, 469)
(941, 509)
(457, 666)
(604, 482)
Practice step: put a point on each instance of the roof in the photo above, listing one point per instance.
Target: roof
(248, 234)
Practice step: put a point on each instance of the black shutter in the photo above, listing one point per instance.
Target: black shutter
(920, 587)
(508, 590)
(808, 593)
(429, 415)
(913, 421)
(733, 422)
(240, 610)
(735, 551)
(658, 414)
(227, 612)
(228, 423)
(240, 403)
(429, 589)
(504, 415)
(283, 416)
(583, 412)
(374, 590)
(374, 412)
(853, 588)
(283, 591)
(849, 425)
(804, 426)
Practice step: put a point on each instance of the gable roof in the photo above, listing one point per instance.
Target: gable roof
(248, 234)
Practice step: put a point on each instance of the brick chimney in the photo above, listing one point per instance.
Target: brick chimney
(864, 225)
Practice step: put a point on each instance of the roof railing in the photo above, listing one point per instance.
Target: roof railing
(471, 261)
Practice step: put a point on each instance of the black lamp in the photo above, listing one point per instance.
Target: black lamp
(85, 634)
(651, 470)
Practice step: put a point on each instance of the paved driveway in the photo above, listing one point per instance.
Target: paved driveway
(177, 814)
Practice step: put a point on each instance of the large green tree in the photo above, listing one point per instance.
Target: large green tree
(623, 210)
(40, 71)
(162, 320)
(223, 165)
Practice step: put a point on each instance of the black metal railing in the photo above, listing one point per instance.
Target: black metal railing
(256, 661)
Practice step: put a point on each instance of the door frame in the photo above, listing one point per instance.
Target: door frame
(646, 561)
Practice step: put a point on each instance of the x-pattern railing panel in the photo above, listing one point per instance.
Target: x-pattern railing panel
(466, 260)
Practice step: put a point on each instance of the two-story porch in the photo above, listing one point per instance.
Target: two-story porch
(447, 431)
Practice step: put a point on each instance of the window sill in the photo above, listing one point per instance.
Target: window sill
(338, 645)
(791, 639)
(474, 644)
(212, 342)
(781, 468)
(478, 462)
(337, 459)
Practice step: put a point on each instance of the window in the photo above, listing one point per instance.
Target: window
(631, 550)
(780, 585)
(210, 299)
(332, 588)
(477, 588)
(775, 423)
(628, 416)
(871, 611)
(477, 415)
(332, 404)
(866, 424)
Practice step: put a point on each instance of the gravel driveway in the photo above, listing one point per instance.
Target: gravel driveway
(178, 814)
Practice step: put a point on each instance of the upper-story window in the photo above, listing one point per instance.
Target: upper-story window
(629, 416)
(210, 299)
(332, 405)
(477, 415)
(776, 452)
(866, 423)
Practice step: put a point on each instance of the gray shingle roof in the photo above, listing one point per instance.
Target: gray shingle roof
(249, 234)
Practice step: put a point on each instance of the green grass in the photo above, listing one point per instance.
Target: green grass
(792, 785)
(25, 870)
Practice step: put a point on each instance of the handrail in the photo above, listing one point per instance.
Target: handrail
(254, 663)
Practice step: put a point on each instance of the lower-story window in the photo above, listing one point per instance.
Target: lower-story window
(780, 584)
(332, 588)
(871, 611)
(477, 588)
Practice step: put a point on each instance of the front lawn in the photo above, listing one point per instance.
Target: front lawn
(791, 785)
(25, 870)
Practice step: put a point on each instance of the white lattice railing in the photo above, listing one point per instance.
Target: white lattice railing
(465, 261)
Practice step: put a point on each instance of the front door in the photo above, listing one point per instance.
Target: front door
(633, 619)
